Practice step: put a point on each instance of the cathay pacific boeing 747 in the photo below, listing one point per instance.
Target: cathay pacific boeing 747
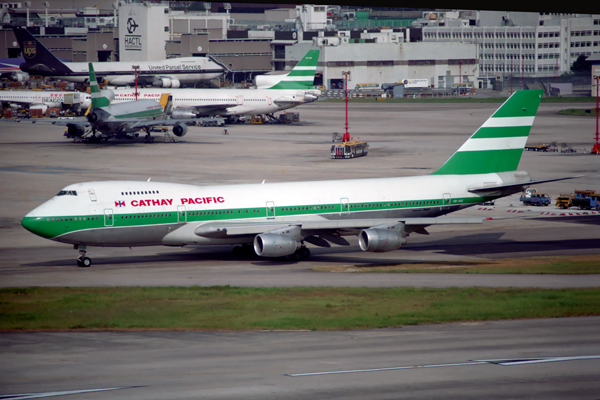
(277, 219)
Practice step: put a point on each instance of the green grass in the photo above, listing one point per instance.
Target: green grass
(233, 308)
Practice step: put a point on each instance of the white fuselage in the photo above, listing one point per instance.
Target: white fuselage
(52, 99)
(186, 70)
(128, 213)
(234, 101)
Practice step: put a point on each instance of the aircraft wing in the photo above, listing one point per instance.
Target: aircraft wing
(224, 229)
(214, 109)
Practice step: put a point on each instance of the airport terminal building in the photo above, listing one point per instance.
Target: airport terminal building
(445, 48)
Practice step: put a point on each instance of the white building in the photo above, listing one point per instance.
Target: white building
(517, 44)
(143, 31)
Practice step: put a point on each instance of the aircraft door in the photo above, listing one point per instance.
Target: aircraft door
(92, 194)
(270, 210)
(446, 201)
(181, 214)
(269, 101)
(109, 219)
(240, 100)
(345, 206)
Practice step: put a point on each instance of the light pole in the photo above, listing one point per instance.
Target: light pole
(136, 67)
(27, 4)
(346, 75)
(46, 5)
(596, 148)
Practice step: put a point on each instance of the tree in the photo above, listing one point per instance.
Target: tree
(581, 66)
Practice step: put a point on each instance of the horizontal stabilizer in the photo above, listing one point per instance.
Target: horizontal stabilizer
(491, 190)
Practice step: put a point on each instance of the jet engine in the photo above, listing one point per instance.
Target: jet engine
(380, 240)
(18, 76)
(75, 130)
(180, 129)
(42, 107)
(184, 113)
(92, 117)
(308, 97)
(166, 82)
(274, 245)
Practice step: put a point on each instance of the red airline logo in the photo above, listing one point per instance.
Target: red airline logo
(169, 202)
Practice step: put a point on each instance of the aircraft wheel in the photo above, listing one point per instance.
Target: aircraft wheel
(84, 262)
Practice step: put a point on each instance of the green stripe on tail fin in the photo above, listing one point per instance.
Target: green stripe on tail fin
(498, 144)
(302, 76)
(98, 99)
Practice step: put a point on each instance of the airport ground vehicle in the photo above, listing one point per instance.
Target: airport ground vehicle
(535, 199)
(351, 149)
(595, 201)
(564, 201)
(581, 199)
(537, 147)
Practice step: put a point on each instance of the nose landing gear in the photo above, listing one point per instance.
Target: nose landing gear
(83, 260)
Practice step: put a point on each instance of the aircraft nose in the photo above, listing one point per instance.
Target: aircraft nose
(36, 224)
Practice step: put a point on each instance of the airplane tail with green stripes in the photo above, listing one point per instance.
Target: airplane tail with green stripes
(301, 77)
(498, 144)
(99, 99)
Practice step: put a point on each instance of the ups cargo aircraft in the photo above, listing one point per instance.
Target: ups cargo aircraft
(105, 121)
(277, 219)
(164, 73)
(285, 92)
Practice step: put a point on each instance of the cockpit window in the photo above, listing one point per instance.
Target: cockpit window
(67, 193)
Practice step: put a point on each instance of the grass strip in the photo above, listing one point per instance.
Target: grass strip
(235, 308)
(557, 265)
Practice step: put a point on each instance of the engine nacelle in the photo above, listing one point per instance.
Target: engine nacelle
(180, 129)
(75, 130)
(183, 113)
(19, 76)
(380, 240)
(92, 117)
(274, 245)
(308, 98)
(42, 107)
(166, 82)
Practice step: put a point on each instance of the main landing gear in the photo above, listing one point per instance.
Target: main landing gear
(83, 260)
(301, 254)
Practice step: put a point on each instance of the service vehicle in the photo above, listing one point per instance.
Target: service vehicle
(536, 199)
(564, 201)
(581, 199)
(350, 149)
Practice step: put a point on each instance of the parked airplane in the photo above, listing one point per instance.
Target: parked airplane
(193, 103)
(302, 76)
(278, 218)
(120, 120)
(164, 73)
(42, 99)
(9, 69)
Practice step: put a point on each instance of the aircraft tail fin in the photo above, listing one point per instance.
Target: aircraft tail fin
(302, 76)
(498, 144)
(99, 99)
(38, 59)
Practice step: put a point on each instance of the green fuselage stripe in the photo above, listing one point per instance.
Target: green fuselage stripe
(501, 132)
(52, 227)
(481, 162)
(140, 114)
